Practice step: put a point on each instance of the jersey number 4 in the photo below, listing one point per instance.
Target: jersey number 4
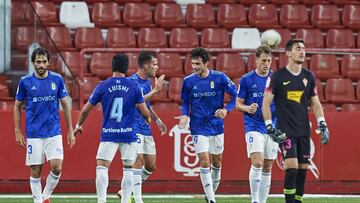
(117, 109)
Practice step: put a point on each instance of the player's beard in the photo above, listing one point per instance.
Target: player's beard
(41, 71)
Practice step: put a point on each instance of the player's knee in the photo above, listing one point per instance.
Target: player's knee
(56, 171)
(151, 168)
(267, 166)
(258, 163)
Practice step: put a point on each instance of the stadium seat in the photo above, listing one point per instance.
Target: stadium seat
(339, 91)
(170, 64)
(232, 64)
(285, 36)
(168, 15)
(183, 38)
(312, 37)
(245, 38)
(88, 85)
(46, 10)
(358, 90)
(152, 38)
(325, 66)
(137, 15)
(60, 35)
(217, 2)
(351, 16)
(231, 16)
(128, 1)
(283, 60)
(340, 38)
(320, 90)
(350, 66)
(21, 13)
(248, 2)
(127, 39)
(311, 2)
(325, 16)
(263, 16)
(200, 15)
(155, 2)
(7, 105)
(100, 64)
(133, 66)
(215, 38)
(106, 14)
(294, 16)
(350, 108)
(251, 63)
(4, 79)
(4, 91)
(72, 63)
(88, 38)
(329, 108)
(341, 2)
(162, 95)
(188, 67)
(281, 2)
(22, 37)
(175, 87)
(167, 107)
(75, 14)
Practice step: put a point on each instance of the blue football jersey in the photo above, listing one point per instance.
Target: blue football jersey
(202, 97)
(140, 125)
(251, 89)
(118, 97)
(41, 96)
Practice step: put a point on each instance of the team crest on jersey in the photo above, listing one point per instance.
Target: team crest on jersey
(53, 86)
(212, 84)
(305, 81)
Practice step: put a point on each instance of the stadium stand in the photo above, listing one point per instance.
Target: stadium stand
(88, 38)
(350, 67)
(351, 16)
(340, 91)
(200, 15)
(127, 39)
(75, 14)
(325, 16)
(183, 38)
(152, 38)
(340, 38)
(46, 10)
(168, 15)
(325, 66)
(263, 16)
(231, 16)
(215, 38)
(294, 16)
(230, 63)
(137, 15)
(106, 14)
(170, 65)
(312, 37)
(245, 38)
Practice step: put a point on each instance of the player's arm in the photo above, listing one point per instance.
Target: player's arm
(319, 115)
(159, 123)
(159, 82)
(19, 137)
(185, 106)
(144, 111)
(82, 117)
(230, 88)
(67, 115)
(266, 111)
(241, 106)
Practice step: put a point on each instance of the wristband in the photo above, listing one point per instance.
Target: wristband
(267, 122)
(78, 126)
(320, 119)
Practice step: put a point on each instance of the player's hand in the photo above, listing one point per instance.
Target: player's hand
(251, 109)
(221, 113)
(71, 138)
(78, 130)
(20, 139)
(183, 121)
(159, 82)
(323, 131)
(161, 126)
(276, 134)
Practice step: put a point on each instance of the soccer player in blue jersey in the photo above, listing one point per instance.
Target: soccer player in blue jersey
(261, 149)
(41, 92)
(120, 98)
(203, 101)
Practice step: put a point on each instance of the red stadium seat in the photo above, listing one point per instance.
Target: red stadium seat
(88, 38)
(263, 16)
(175, 87)
(339, 91)
(215, 38)
(4, 91)
(232, 64)
(46, 10)
(127, 39)
(231, 16)
(106, 14)
(60, 35)
(312, 37)
(22, 37)
(350, 66)
(152, 38)
(167, 107)
(217, 2)
(162, 95)
(88, 85)
(188, 67)
(200, 15)
(159, 1)
(7, 105)
(183, 38)
(329, 108)
(4, 79)
(133, 66)
(294, 16)
(310, 2)
(100, 65)
(137, 15)
(280, 2)
(248, 2)
(340, 38)
(128, 1)
(325, 16)
(350, 107)
(168, 15)
(351, 16)
(72, 60)
(320, 90)
(251, 63)
(324, 66)
(358, 90)
(283, 60)
(341, 2)
(285, 36)
(170, 64)
(21, 13)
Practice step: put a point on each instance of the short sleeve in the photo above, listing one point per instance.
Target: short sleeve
(95, 95)
(313, 85)
(21, 91)
(139, 96)
(62, 89)
(242, 91)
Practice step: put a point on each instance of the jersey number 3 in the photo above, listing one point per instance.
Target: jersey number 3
(117, 109)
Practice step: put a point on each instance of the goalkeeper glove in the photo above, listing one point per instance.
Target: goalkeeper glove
(276, 134)
(324, 132)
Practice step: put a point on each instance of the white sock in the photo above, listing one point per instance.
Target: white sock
(51, 182)
(127, 184)
(216, 176)
(254, 180)
(145, 174)
(264, 187)
(205, 177)
(137, 185)
(102, 182)
(35, 185)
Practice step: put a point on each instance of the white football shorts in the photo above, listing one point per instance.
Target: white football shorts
(258, 142)
(212, 144)
(107, 151)
(37, 149)
(146, 144)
